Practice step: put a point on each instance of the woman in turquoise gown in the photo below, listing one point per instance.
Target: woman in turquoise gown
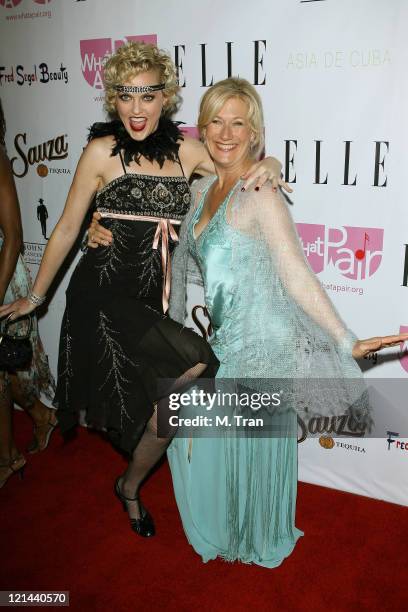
(271, 321)
(252, 519)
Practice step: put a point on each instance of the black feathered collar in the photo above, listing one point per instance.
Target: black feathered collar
(158, 146)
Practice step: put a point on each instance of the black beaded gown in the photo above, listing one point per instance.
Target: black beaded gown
(116, 340)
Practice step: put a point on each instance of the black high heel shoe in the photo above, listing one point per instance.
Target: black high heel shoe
(144, 525)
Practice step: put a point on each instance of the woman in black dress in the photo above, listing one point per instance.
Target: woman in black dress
(116, 340)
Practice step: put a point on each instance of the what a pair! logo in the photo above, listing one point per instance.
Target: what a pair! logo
(354, 252)
(95, 51)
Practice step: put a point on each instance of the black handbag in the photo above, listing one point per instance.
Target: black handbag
(16, 350)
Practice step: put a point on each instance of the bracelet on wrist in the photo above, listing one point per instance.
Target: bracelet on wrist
(36, 300)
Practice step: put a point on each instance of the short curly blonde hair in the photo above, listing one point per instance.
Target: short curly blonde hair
(130, 60)
(216, 96)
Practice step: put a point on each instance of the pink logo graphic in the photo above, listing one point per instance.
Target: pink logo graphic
(354, 252)
(43, 1)
(94, 51)
(404, 348)
(9, 3)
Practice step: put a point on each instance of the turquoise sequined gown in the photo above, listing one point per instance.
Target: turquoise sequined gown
(236, 496)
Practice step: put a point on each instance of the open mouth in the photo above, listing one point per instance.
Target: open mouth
(137, 124)
(225, 147)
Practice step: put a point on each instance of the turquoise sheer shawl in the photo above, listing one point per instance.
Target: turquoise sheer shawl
(293, 331)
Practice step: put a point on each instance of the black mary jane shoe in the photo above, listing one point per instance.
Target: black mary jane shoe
(144, 525)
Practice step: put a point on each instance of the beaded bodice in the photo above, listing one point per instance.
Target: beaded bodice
(141, 194)
(144, 213)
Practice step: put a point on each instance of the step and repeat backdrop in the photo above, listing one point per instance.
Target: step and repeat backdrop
(331, 74)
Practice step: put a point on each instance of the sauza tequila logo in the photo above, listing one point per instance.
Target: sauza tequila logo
(51, 150)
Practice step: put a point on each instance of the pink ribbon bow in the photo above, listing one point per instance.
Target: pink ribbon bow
(164, 228)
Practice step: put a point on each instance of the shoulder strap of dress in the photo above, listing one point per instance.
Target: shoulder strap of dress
(122, 162)
(180, 164)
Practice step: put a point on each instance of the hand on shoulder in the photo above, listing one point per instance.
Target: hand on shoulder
(265, 199)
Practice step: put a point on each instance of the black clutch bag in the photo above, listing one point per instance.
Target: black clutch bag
(16, 350)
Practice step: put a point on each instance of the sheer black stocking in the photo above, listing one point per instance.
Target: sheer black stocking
(149, 450)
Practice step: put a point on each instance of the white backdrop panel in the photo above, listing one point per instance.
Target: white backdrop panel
(331, 77)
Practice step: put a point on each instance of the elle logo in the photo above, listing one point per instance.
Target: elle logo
(354, 252)
(94, 51)
(349, 176)
(405, 274)
(207, 77)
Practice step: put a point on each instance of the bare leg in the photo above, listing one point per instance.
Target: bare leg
(44, 418)
(8, 449)
(11, 460)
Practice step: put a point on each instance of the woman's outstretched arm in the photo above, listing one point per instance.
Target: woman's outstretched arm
(83, 188)
(278, 229)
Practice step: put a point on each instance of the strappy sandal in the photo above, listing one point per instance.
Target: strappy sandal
(42, 433)
(15, 466)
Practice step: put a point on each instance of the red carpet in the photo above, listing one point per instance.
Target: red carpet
(62, 529)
